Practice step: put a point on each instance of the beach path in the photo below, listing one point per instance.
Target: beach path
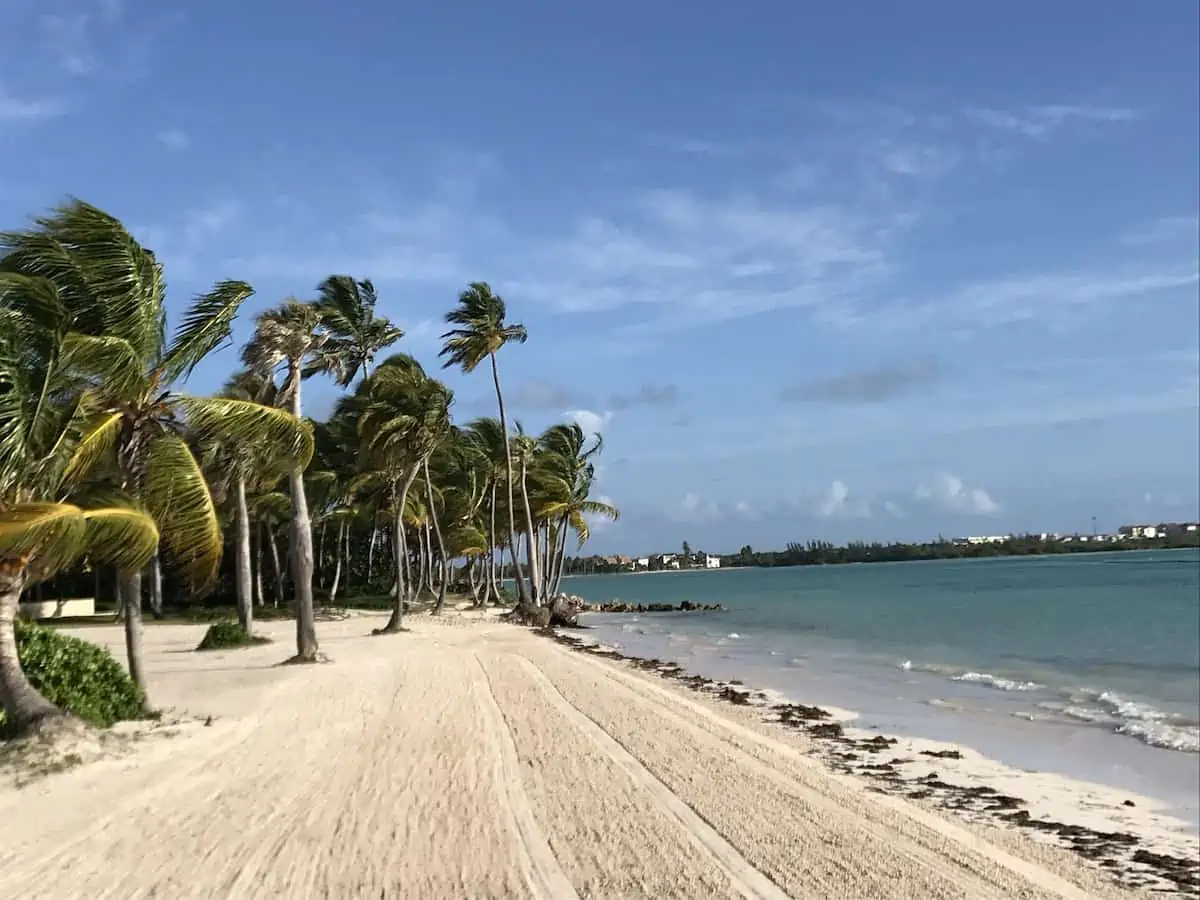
(469, 760)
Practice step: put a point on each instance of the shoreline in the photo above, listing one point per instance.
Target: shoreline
(1133, 838)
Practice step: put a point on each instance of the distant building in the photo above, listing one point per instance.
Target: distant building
(712, 562)
(982, 539)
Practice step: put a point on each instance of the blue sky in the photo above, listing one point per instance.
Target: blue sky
(873, 271)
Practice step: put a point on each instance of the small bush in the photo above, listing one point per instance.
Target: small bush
(229, 635)
(77, 676)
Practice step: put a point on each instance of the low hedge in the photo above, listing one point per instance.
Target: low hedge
(78, 676)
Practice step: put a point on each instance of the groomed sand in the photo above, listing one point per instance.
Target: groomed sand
(474, 760)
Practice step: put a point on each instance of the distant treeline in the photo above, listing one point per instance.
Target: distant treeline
(821, 553)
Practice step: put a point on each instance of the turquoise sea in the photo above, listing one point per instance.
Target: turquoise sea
(1085, 665)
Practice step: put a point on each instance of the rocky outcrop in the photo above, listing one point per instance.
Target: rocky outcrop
(619, 607)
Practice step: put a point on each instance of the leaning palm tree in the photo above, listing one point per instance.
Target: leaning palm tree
(114, 292)
(402, 416)
(293, 337)
(45, 423)
(356, 333)
(479, 333)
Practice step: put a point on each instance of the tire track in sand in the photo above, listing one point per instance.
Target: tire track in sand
(696, 717)
(538, 865)
(747, 880)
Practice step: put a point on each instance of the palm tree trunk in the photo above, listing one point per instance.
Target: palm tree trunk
(130, 589)
(243, 576)
(508, 480)
(562, 554)
(396, 622)
(531, 548)
(321, 556)
(337, 569)
(277, 567)
(490, 590)
(348, 532)
(260, 599)
(156, 598)
(441, 544)
(473, 579)
(547, 558)
(301, 546)
(422, 561)
(371, 553)
(24, 706)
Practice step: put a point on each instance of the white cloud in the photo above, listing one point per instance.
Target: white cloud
(1165, 229)
(836, 501)
(21, 109)
(591, 422)
(68, 40)
(1038, 122)
(694, 508)
(1020, 298)
(174, 139)
(599, 523)
(894, 509)
(948, 493)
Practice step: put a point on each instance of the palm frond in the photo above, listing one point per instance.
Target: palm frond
(98, 441)
(244, 422)
(45, 537)
(108, 360)
(120, 536)
(178, 497)
(205, 327)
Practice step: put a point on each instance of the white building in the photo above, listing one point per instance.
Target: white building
(712, 562)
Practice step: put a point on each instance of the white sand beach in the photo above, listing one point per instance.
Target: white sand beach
(469, 758)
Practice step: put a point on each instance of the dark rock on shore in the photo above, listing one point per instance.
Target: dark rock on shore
(619, 607)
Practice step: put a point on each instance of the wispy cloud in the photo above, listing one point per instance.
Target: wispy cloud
(867, 385)
(68, 39)
(692, 146)
(174, 139)
(22, 109)
(1039, 122)
(647, 395)
(538, 394)
(1165, 229)
(1020, 298)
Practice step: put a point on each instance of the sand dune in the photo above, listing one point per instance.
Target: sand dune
(477, 760)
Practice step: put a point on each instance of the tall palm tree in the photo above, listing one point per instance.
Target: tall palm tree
(293, 337)
(487, 437)
(403, 415)
(356, 333)
(480, 331)
(45, 420)
(114, 292)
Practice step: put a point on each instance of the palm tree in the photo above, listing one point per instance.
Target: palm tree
(292, 336)
(565, 476)
(479, 333)
(114, 292)
(45, 421)
(403, 415)
(357, 334)
(487, 437)
(525, 451)
(246, 469)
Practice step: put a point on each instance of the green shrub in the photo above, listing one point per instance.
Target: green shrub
(77, 676)
(229, 635)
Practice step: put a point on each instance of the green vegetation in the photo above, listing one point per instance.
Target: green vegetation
(110, 472)
(77, 676)
(824, 553)
(229, 635)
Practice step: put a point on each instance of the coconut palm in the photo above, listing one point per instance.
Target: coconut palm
(565, 478)
(487, 437)
(480, 331)
(45, 422)
(356, 333)
(402, 416)
(293, 337)
(114, 292)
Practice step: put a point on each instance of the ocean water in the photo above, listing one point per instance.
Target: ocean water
(1087, 666)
